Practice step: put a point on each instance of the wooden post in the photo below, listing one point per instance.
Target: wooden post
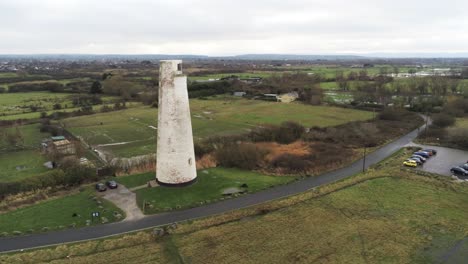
(364, 160)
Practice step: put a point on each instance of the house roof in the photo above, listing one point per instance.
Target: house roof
(61, 142)
(58, 138)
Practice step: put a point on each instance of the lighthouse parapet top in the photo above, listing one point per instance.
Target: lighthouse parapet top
(174, 66)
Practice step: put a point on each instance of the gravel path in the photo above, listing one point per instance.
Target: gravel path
(125, 200)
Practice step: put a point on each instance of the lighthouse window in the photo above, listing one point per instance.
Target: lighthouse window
(179, 67)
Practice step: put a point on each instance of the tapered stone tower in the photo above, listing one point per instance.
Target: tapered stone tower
(175, 158)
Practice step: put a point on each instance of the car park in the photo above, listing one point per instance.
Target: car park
(422, 153)
(422, 159)
(410, 163)
(459, 171)
(430, 151)
(101, 187)
(112, 184)
(418, 161)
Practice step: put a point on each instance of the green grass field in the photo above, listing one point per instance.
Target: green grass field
(387, 215)
(462, 122)
(463, 86)
(58, 213)
(217, 116)
(208, 188)
(262, 74)
(63, 81)
(16, 75)
(330, 71)
(30, 133)
(135, 180)
(8, 75)
(17, 105)
(25, 161)
(338, 97)
(325, 71)
(22, 164)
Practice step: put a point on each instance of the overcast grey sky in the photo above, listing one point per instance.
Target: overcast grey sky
(220, 27)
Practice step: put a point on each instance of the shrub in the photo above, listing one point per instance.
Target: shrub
(443, 120)
(289, 132)
(286, 133)
(434, 132)
(391, 114)
(244, 156)
(458, 137)
(202, 148)
(291, 162)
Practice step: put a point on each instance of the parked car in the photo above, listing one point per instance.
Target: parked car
(418, 161)
(459, 171)
(464, 166)
(422, 153)
(430, 151)
(422, 159)
(101, 187)
(112, 184)
(410, 163)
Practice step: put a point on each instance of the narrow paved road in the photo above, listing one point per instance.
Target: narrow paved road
(93, 232)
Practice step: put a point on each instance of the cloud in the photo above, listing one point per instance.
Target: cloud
(232, 27)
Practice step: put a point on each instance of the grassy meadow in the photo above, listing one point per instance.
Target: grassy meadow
(23, 161)
(31, 135)
(387, 215)
(208, 188)
(16, 165)
(461, 122)
(4, 75)
(263, 74)
(18, 105)
(58, 213)
(217, 116)
(330, 71)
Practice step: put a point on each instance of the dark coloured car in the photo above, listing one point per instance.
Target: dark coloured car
(422, 159)
(459, 171)
(101, 187)
(112, 184)
(418, 161)
(465, 166)
(422, 153)
(430, 151)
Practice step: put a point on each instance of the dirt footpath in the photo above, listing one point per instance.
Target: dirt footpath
(125, 200)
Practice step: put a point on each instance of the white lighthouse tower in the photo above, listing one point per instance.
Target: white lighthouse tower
(175, 158)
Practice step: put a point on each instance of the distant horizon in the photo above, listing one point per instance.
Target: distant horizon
(369, 55)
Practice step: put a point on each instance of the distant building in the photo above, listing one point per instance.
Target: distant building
(240, 94)
(64, 147)
(287, 97)
(269, 97)
(252, 80)
(58, 144)
(57, 138)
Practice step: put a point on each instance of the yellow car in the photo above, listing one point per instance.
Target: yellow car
(410, 163)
